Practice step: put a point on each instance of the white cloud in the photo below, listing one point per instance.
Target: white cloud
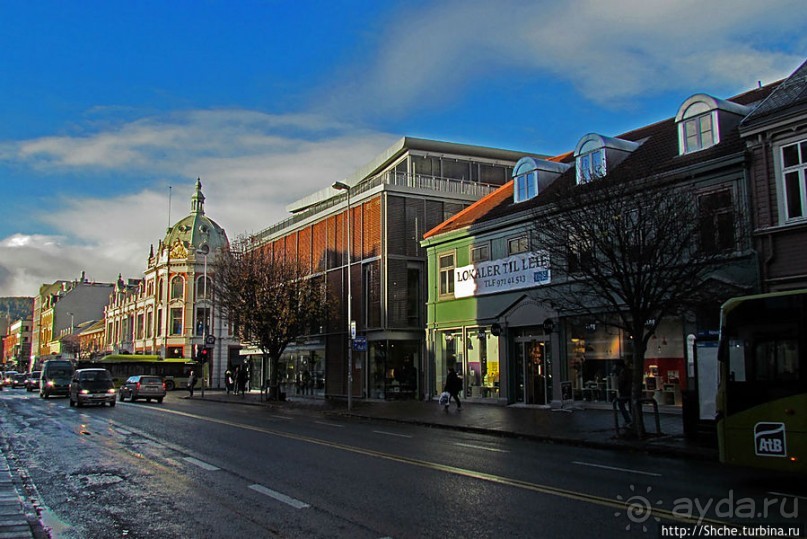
(252, 165)
(610, 51)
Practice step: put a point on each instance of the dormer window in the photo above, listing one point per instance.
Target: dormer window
(702, 118)
(531, 175)
(591, 165)
(595, 153)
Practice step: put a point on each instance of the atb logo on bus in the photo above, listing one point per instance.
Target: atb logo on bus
(769, 440)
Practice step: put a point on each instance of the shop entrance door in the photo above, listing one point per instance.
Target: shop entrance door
(533, 370)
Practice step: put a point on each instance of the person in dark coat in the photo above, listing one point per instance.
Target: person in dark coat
(453, 387)
(241, 380)
(191, 383)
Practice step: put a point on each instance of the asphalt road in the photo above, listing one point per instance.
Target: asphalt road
(189, 468)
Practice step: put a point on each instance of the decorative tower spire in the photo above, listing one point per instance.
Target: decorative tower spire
(198, 199)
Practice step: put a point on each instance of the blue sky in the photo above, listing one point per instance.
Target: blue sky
(105, 104)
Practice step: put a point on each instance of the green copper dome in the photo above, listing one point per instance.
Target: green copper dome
(196, 231)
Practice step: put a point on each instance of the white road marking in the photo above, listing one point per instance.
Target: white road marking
(615, 468)
(329, 424)
(392, 434)
(482, 447)
(297, 504)
(124, 432)
(201, 464)
(287, 418)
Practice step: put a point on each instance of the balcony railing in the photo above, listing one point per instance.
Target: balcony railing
(420, 182)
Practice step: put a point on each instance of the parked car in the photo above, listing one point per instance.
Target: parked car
(19, 380)
(143, 386)
(91, 386)
(8, 378)
(32, 381)
(55, 379)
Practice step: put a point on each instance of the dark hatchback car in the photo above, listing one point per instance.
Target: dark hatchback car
(92, 386)
(143, 386)
(32, 382)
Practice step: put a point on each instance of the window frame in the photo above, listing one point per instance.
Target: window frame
(782, 173)
(523, 248)
(478, 248)
(445, 274)
(585, 168)
(718, 244)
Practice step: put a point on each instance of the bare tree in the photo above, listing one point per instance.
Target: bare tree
(271, 300)
(626, 255)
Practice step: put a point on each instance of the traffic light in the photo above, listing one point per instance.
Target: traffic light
(202, 355)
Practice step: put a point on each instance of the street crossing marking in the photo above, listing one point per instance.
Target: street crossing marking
(297, 504)
(392, 434)
(615, 468)
(472, 446)
(201, 464)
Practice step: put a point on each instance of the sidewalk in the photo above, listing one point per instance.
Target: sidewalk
(13, 518)
(592, 426)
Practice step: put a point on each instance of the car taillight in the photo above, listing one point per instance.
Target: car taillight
(137, 386)
(164, 386)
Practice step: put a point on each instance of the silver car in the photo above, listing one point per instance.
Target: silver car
(143, 386)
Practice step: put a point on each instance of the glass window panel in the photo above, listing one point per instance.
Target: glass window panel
(793, 194)
(597, 164)
(532, 184)
(790, 155)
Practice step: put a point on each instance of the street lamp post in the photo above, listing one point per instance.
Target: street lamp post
(204, 250)
(340, 186)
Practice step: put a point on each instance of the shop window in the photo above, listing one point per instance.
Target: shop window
(793, 180)
(446, 263)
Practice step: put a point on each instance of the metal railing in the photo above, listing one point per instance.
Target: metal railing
(652, 402)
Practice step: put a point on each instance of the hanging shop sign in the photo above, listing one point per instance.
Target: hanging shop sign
(525, 270)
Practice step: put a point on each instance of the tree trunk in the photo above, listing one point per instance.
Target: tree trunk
(639, 348)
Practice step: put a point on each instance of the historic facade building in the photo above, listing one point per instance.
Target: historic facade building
(490, 313)
(59, 309)
(776, 135)
(362, 237)
(172, 310)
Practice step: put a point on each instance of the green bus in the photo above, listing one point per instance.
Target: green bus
(762, 391)
(174, 371)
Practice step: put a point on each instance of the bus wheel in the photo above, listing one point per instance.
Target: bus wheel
(169, 385)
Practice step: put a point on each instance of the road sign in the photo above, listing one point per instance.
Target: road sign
(352, 329)
(360, 343)
(210, 340)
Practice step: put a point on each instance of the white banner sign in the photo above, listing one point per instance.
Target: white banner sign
(525, 270)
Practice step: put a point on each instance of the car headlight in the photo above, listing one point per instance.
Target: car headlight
(111, 391)
(84, 391)
(50, 383)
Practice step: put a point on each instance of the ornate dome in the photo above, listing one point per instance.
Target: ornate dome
(195, 231)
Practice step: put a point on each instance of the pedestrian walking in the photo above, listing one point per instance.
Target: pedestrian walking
(453, 387)
(229, 382)
(241, 380)
(191, 383)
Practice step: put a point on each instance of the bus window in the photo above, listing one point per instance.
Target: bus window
(736, 361)
(777, 360)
